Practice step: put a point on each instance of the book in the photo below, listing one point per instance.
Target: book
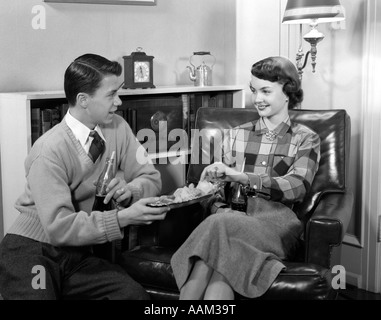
(64, 107)
(35, 114)
(131, 119)
(229, 100)
(56, 115)
(205, 99)
(186, 112)
(46, 120)
(220, 100)
(192, 111)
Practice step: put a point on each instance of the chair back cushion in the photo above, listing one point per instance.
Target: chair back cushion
(333, 127)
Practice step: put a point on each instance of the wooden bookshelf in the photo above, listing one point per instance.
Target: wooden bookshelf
(16, 111)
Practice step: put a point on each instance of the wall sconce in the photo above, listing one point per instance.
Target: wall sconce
(312, 12)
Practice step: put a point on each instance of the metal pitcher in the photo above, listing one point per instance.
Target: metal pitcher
(202, 75)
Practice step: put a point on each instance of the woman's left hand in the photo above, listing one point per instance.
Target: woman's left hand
(117, 190)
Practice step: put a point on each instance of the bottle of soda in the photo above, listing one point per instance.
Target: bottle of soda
(239, 200)
(104, 179)
(239, 196)
(105, 250)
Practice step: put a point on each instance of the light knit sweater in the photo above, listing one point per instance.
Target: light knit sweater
(57, 202)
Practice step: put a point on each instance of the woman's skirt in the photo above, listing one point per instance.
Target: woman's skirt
(246, 249)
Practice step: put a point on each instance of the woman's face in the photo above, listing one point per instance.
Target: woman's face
(269, 99)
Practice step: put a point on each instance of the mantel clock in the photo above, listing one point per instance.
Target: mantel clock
(138, 70)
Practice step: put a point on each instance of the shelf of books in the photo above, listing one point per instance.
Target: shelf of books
(25, 116)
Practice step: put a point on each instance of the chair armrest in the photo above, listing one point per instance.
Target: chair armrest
(327, 226)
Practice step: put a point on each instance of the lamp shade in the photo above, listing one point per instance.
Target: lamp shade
(303, 11)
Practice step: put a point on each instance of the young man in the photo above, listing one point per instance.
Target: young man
(52, 237)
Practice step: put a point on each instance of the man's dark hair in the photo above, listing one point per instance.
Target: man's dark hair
(283, 71)
(85, 74)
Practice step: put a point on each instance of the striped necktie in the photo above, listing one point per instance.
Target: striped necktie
(97, 146)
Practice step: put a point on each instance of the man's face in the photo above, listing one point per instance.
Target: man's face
(104, 102)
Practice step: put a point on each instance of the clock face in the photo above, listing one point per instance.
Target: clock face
(141, 71)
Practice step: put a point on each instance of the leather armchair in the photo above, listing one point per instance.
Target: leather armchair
(326, 211)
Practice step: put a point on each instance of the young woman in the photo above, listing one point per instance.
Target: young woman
(242, 253)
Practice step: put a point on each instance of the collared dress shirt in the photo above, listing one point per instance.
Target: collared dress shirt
(81, 132)
(281, 169)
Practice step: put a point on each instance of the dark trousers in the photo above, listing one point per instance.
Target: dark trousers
(32, 270)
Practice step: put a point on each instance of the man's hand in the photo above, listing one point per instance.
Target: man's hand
(117, 189)
(141, 214)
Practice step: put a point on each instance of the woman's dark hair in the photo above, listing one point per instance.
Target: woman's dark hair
(85, 74)
(283, 71)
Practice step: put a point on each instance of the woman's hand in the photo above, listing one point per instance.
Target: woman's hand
(141, 214)
(220, 171)
(117, 189)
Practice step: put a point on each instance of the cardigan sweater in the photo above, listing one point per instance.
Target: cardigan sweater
(56, 205)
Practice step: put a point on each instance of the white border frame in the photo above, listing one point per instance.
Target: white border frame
(117, 2)
(371, 161)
